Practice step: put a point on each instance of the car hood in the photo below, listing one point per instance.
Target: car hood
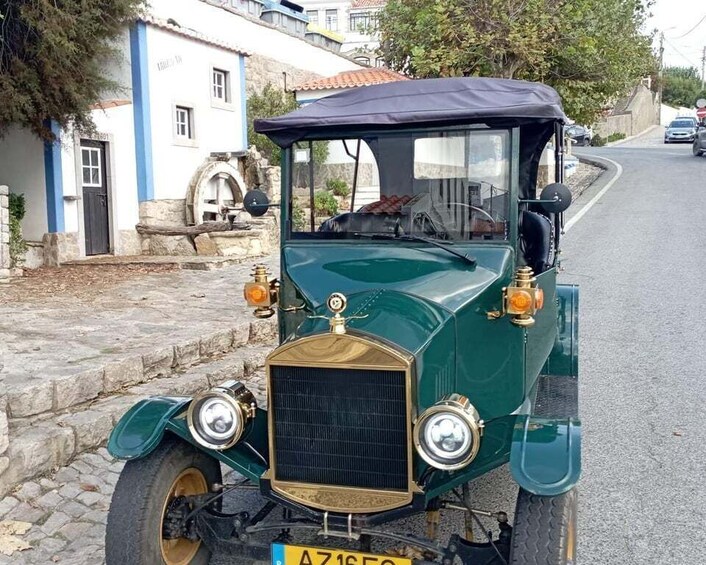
(415, 290)
(680, 130)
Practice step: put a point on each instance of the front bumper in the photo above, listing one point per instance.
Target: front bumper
(677, 138)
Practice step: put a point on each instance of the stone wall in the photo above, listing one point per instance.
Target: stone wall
(60, 247)
(634, 114)
(260, 70)
(4, 233)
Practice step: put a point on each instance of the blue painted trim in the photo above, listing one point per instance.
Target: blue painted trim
(308, 101)
(243, 102)
(53, 181)
(141, 111)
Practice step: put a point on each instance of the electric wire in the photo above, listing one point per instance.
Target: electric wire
(692, 29)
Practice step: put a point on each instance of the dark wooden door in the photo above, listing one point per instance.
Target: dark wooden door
(95, 197)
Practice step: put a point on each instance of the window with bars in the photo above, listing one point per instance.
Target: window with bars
(220, 85)
(91, 166)
(313, 16)
(183, 122)
(332, 20)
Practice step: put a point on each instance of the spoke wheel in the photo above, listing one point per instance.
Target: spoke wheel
(181, 551)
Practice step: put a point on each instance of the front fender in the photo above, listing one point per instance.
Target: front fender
(545, 457)
(141, 428)
(564, 357)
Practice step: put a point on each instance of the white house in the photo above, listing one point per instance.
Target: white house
(183, 99)
(166, 144)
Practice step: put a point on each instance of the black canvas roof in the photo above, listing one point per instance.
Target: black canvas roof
(447, 101)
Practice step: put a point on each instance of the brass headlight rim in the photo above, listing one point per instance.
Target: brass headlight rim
(240, 411)
(461, 407)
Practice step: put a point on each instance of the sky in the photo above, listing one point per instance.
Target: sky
(676, 18)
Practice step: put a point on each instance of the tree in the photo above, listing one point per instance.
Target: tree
(267, 104)
(53, 55)
(589, 50)
(682, 86)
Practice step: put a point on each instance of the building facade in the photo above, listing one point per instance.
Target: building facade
(355, 20)
(167, 145)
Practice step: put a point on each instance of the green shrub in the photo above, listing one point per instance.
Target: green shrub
(598, 141)
(18, 246)
(298, 217)
(615, 136)
(325, 204)
(339, 187)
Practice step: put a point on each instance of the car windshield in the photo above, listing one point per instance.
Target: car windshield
(681, 124)
(447, 185)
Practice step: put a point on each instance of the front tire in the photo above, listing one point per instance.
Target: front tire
(696, 149)
(544, 532)
(145, 488)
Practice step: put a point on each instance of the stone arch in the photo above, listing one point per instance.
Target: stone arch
(215, 186)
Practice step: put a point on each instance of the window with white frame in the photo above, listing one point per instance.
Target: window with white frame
(184, 122)
(313, 16)
(220, 85)
(91, 166)
(360, 22)
(332, 20)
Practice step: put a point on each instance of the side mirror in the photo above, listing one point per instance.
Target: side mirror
(256, 202)
(555, 198)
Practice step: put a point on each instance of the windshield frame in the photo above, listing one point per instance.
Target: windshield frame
(288, 236)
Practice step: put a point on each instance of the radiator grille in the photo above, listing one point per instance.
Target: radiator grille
(342, 427)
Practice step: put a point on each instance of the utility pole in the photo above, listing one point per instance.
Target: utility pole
(703, 70)
(660, 74)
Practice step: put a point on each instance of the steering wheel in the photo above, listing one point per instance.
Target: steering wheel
(476, 209)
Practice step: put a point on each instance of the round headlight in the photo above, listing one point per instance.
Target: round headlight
(447, 435)
(217, 417)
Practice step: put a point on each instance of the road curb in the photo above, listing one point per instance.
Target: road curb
(612, 173)
(625, 140)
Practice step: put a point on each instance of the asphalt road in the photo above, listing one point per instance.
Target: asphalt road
(638, 256)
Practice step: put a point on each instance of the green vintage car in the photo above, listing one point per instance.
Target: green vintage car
(424, 341)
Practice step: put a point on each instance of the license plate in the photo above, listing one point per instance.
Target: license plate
(302, 555)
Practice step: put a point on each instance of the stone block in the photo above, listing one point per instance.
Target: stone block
(264, 331)
(241, 334)
(220, 342)
(187, 354)
(74, 530)
(118, 405)
(91, 428)
(204, 245)
(4, 464)
(171, 245)
(163, 212)
(123, 373)
(74, 389)
(4, 189)
(129, 243)
(4, 432)
(253, 360)
(4, 201)
(35, 450)
(33, 397)
(158, 362)
(177, 385)
(54, 522)
(28, 491)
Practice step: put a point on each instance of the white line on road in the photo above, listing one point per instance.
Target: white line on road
(597, 197)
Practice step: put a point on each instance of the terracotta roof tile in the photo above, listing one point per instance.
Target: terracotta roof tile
(353, 79)
(112, 103)
(358, 4)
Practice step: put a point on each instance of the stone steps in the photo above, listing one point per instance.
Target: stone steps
(83, 416)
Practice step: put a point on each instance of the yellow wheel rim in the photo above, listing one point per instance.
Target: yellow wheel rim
(181, 551)
(571, 541)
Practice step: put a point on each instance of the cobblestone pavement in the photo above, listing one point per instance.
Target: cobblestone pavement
(67, 510)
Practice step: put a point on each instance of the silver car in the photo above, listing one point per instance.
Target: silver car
(680, 130)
